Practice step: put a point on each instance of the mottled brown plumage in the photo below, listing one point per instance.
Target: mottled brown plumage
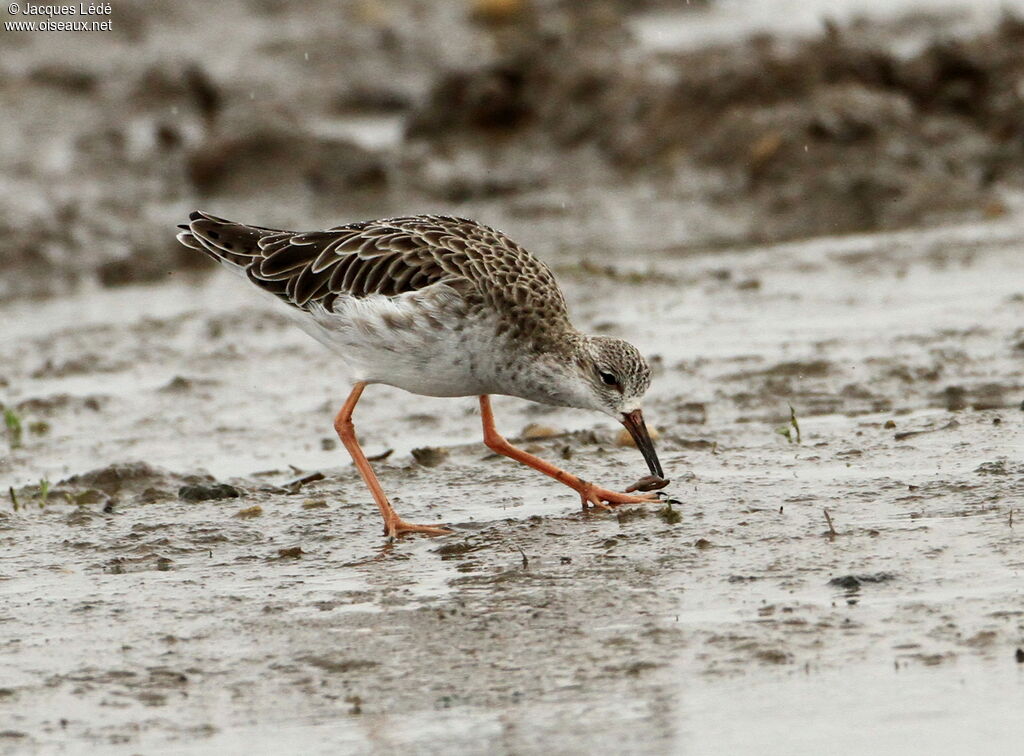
(390, 257)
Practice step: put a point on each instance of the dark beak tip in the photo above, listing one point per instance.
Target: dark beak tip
(634, 422)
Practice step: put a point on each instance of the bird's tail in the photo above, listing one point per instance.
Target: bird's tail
(235, 245)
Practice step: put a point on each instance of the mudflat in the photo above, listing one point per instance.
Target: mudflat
(813, 234)
(170, 587)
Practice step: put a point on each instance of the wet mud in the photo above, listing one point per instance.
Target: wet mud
(178, 577)
(190, 564)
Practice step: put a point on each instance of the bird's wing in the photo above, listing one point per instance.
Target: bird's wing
(383, 257)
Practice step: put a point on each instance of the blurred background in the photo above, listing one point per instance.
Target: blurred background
(586, 130)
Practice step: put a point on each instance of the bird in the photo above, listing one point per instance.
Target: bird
(440, 306)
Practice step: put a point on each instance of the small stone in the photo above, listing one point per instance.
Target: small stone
(430, 456)
(454, 549)
(889, 424)
(535, 431)
(249, 512)
(211, 492)
(293, 552)
(179, 384)
(624, 439)
(956, 398)
(849, 582)
(854, 582)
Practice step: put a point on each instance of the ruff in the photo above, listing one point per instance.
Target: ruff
(438, 306)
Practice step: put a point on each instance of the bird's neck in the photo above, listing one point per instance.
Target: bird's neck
(546, 376)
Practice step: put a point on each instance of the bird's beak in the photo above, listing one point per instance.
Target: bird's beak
(634, 422)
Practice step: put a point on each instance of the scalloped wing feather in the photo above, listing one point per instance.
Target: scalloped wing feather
(389, 257)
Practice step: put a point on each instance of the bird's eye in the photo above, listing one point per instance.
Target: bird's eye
(608, 378)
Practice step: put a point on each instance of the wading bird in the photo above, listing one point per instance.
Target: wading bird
(442, 307)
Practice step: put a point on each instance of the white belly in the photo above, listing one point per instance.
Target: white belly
(408, 343)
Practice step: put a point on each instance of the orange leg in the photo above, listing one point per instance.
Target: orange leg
(393, 524)
(589, 493)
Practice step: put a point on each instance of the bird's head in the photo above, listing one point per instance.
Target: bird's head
(611, 376)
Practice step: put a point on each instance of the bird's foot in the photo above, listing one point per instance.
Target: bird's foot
(397, 526)
(602, 498)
